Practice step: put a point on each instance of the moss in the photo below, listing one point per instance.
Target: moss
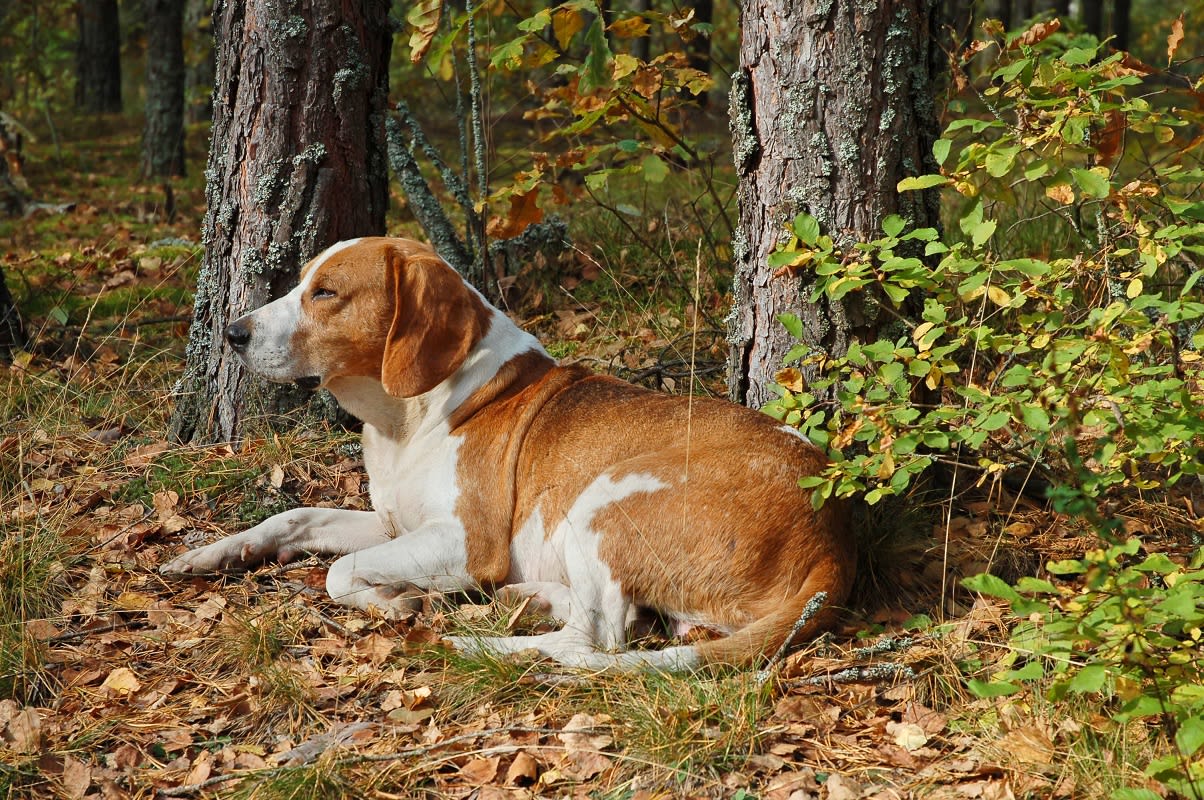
(745, 144)
(314, 154)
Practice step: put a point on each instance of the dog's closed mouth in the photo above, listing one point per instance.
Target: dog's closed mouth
(309, 383)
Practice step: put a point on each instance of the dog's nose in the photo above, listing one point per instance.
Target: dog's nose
(238, 334)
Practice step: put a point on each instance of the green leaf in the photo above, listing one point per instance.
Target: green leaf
(806, 228)
(1089, 679)
(999, 163)
(1190, 736)
(922, 182)
(992, 689)
(536, 23)
(792, 324)
(1033, 267)
(1133, 793)
(981, 232)
(893, 225)
(1035, 417)
(595, 72)
(991, 585)
(1092, 183)
(940, 150)
(655, 170)
(1078, 56)
(1030, 584)
(896, 293)
(509, 55)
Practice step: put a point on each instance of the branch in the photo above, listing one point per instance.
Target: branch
(426, 208)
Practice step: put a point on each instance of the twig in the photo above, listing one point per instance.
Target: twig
(874, 672)
(809, 611)
(68, 636)
(187, 789)
(426, 208)
(467, 737)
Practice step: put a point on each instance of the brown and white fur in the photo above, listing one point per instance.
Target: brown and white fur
(491, 467)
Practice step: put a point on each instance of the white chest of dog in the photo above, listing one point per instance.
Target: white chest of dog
(492, 467)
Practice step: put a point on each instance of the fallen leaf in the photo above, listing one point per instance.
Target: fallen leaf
(24, 731)
(201, 768)
(479, 771)
(583, 758)
(523, 771)
(77, 778)
(841, 787)
(375, 647)
(121, 681)
(907, 735)
(931, 722)
(1027, 744)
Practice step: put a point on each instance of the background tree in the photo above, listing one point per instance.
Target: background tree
(98, 57)
(163, 134)
(198, 60)
(831, 107)
(297, 162)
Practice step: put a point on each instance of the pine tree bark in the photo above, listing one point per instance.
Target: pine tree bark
(98, 58)
(832, 106)
(163, 134)
(297, 162)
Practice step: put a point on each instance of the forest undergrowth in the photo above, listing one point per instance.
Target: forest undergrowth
(117, 682)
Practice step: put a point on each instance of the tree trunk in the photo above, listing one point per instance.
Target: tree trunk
(1121, 12)
(12, 332)
(1093, 17)
(163, 136)
(297, 162)
(98, 58)
(832, 106)
(199, 63)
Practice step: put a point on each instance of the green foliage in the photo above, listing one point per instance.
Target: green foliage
(607, 114)
(1054, 329)
(1129, 630)
(1060, 332)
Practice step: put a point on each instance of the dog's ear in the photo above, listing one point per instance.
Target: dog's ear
(437, 320)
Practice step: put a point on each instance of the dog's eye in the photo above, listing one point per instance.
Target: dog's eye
(322, 294)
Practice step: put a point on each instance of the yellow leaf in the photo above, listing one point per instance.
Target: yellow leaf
(1134, 289)
(934, 378)
(624, 65)
(565, 24)
(920, 330)
(789, 378)
(629, 27)
(888, 466)
(998, 296)
(1060, 193)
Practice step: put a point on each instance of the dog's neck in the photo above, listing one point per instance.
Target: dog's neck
(506, 358)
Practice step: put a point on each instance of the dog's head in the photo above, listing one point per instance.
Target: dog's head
(383, 308)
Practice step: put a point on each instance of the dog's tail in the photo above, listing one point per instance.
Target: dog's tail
(753, 643)
(763, 637)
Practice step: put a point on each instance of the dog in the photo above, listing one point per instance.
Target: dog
(491, 467)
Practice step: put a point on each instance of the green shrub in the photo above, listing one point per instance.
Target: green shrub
(1081, 365)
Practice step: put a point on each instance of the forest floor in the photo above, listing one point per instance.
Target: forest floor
(117, 682)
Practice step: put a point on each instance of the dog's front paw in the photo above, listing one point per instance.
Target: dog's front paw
(227, 554)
